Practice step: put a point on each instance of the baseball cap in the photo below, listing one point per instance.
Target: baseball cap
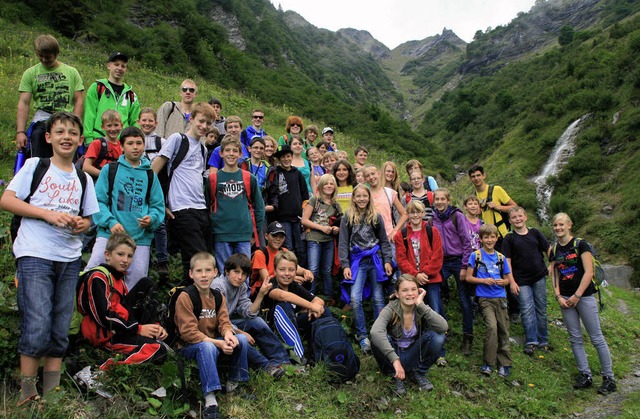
(326, 129)
(275, 228)
(282, 150)
(118, 56)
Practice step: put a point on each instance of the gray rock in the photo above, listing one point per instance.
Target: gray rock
(618, 275)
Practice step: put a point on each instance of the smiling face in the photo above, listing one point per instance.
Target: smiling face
(562, 227)
(269, 148)
(440, 201)
(257, 119)
(65, 138)
(203, 273)
(285, 273)
(407, 293)
(285, 160)
(328, 188)
(230, 154)
(311, 136)
(342, 173)
(112, 129)
(116, 69)
(472, 207)
(257, 150)
(296, 146)
(489, 241)
(361, 198)
(477, 178)
(147, 123)
(417, 181)
(133, 149)
(518, 219)
(415, 219)
(389, 173)
(372, 176)
(314, 156)
(361, 157)
(199, 125)
(188, 92)
(48, 60)
(275, 241)
(295, 129)
(234, 128)
(120, 257)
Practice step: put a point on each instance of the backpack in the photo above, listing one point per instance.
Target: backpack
(503, 215)
(246, 179)
(408, 195)
(81, 290)
(429, 235)
(165, 176)
(158, 146)
(101, 89)
(113, 169)
(479, 261)
(168, 317)
(599, 277)
(102, 154)
(330, 344)
(38, 175)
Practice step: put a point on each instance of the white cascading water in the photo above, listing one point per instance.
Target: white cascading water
(564, 149)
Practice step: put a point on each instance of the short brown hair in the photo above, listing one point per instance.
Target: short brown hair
(149, 110)
(204, 109)
(117, 239)
(46, 44)
(488, 230)
(230, 140)
(232, 118)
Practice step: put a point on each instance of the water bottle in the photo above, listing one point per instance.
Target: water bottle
(21, 157)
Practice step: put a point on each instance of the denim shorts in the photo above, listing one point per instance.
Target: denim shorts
(46, 294)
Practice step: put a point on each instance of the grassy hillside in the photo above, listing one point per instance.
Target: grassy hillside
(511, 119)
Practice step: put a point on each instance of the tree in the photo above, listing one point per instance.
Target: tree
(566, 35)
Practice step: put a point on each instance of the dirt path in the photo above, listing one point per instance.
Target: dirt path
(611, 405)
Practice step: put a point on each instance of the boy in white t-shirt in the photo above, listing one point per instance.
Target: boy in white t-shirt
(48, 249)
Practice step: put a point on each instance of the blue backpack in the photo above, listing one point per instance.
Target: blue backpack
(331, 345)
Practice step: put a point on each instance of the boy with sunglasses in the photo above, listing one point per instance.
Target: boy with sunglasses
(173, 117)
(254, 129)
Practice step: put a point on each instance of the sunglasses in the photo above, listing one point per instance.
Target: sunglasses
(296, 125)
(189, 89)
(258, 116)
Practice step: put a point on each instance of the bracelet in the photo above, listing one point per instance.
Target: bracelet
(21, 132)
(558, 297)
(577, 296)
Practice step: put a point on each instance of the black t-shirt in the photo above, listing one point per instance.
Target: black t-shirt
(117, 88)
(570, 269)
(294, 288)
(525, 251)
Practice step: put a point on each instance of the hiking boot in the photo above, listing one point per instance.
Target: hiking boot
(276, 371)
(365, 345)
(441, 362)
(545, 347)
(211, 412)
(608, 386)
(486, 369)
(423, 382)
(398, 387)
(529, 349)
(467, 344)
(163, 269)
(504, 371)
(583, 381)
(514, 318)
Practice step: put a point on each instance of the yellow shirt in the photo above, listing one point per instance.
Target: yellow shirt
(490, 216)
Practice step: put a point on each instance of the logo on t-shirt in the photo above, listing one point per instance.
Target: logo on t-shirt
(232, 188)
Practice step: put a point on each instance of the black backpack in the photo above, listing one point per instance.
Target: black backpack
(331, 345)
(165, 176)
(503, 215)
(38, 174)
(168, 317)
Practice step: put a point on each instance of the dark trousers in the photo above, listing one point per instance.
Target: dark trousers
(191, 232)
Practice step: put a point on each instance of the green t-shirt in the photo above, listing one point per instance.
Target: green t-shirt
(320, 215)
(52, 89)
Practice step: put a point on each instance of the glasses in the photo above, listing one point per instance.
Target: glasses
(296, 125)
(258, 116)
(415, 214)
(189, 89)
(417, 179)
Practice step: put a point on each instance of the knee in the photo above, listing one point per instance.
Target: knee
(243, 341)
(208, 348)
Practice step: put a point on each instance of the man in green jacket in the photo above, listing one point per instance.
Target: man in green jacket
(110, 93)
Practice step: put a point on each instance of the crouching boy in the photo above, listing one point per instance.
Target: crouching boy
(245, 319)
(489, 270)
(208, 335)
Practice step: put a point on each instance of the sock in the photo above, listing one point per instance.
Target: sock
(27, 388)
(231, 385)
(210, 399)
(50, 380)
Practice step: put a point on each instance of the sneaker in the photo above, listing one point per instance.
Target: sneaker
(398, 387)
(85, 378)
(211, 412)
(545, 347)
(423, 382)
(365, 345)
(504, 371)
(583, 381)
(276, 371)
(486, 369)
(163, 269)
(514, 318)
(231, 386)
(529, 349)
(608, 386)
(441, 362)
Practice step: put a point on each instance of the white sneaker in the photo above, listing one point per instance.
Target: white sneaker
(91, 381)
(365, 345)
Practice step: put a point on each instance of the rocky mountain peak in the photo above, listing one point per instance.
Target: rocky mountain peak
(366, 42)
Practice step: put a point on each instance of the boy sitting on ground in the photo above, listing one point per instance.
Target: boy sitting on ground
(245, 319)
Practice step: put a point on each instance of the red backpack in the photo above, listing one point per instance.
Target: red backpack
(246, 179)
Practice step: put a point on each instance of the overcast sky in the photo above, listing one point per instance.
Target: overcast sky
(395, 22)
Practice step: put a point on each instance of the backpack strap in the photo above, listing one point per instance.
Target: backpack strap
(38, 174)
(427, 227)
(389, 193)
(213, 189)
(100, 89)
(501, 263)
(246, 178)
(113, 169)
(99, 268)
(478, 262)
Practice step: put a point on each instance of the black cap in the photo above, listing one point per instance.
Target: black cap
(282, 150)
(118, 56)
(275, 228)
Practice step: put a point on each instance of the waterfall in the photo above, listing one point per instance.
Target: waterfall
(562, 152)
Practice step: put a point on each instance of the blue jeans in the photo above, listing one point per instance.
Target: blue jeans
(225, 249)
(320, 256)
(293, 241)
(587, 311)
(160, 237)
(434, 301)
(207, 354)
(418, 357)
(273, 353)
(533, 310)
(366, 273)
(453, 267)
(46, 294)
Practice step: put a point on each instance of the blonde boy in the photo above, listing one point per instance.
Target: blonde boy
(97, 157)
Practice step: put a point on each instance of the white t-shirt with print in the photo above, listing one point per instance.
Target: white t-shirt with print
(186, 190)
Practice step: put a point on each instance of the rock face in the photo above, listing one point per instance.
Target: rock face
(366, 42)
(620, 276)
(438, 44)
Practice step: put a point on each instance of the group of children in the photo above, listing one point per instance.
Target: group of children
(338, 220)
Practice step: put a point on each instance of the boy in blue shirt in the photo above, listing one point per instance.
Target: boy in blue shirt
(490, 271)
(134, 204)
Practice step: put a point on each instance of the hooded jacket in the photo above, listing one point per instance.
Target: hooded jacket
(455, 237)
(94, 107)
